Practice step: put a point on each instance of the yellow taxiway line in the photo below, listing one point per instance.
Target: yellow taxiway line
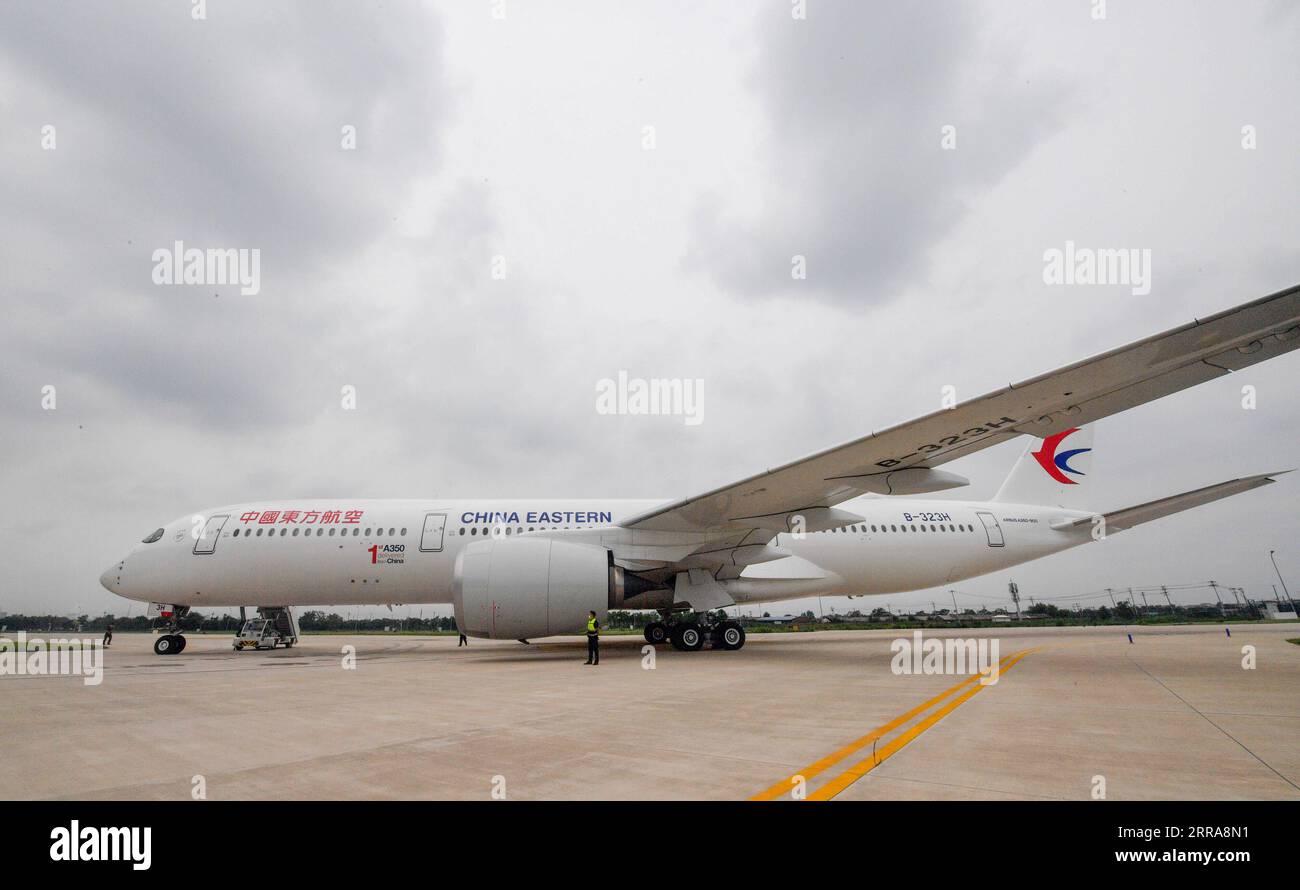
(863, 767)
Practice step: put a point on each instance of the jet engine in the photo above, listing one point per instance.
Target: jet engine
(521, 588)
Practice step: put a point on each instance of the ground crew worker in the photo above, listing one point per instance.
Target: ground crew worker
(463, 641)
(108, 636)
(593, 639)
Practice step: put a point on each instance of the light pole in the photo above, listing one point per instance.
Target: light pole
(1253, 610)
(1283, 580)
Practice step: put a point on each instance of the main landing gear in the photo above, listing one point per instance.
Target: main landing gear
(690, 635)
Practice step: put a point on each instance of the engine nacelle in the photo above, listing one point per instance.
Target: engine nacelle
(523, 588)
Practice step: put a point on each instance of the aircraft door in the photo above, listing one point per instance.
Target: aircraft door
(207, 540)
(992, 529)
(431, 535)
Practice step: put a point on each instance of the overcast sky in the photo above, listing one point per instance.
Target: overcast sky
(664, 253)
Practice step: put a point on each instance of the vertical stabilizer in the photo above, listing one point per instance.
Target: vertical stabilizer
(1052, 471)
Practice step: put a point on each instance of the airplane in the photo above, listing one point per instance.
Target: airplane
(850, 520)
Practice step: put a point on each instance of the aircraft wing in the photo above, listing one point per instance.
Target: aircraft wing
(901, 459)
(1118, 520)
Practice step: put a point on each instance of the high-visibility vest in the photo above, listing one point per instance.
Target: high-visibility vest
(591, 625)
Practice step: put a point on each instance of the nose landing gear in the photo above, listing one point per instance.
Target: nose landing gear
(172, 641)
(169, 644)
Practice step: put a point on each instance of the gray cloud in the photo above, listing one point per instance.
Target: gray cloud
(856, 180)
(218, 133)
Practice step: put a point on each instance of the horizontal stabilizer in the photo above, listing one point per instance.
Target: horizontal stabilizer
(1119, 520)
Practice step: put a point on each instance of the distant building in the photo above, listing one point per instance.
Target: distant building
(1274, 611)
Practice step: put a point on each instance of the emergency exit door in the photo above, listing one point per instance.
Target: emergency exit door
(431, 535)
(992, 529)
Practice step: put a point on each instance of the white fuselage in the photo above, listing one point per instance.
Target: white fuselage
(353, 552)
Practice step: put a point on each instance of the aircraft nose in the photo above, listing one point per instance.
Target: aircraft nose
(112, 577)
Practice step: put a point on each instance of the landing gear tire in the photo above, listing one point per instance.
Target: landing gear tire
(656, 633)
(168, 644)
(729, 635)
(687, 637)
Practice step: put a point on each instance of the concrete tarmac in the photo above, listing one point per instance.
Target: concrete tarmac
(1174, 715)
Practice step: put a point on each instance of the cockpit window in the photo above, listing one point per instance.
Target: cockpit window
(153, 537)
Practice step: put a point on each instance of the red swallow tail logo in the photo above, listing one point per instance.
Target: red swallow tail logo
(1057, 465)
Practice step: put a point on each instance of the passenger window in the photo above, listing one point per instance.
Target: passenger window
(403, 532)
(474, 531)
